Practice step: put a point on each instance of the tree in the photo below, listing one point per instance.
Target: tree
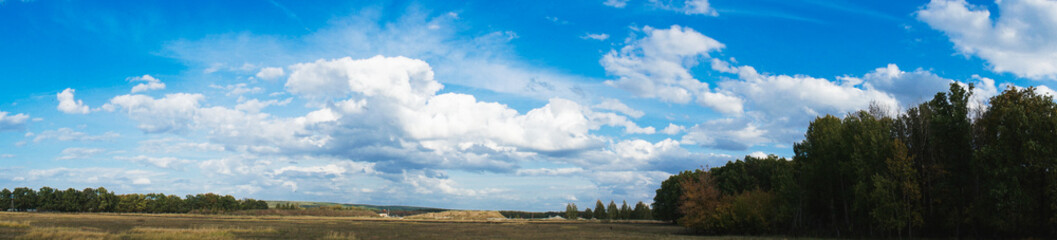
(625, 210)
(1015, 165)
(588, 214)
(897, 193)
(571, 212)
(612, 212)
(639, 211)
(6, 201)
(25, 199)
(600, 210)
(700, 201)
(666, 202)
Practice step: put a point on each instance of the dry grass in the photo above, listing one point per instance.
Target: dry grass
(192, 226)
(461, 215)
(14, 224)
(339, 236)
(65, 233)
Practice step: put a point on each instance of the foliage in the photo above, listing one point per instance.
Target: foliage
(666, 202)
(571, 212)
(48, 199)
(939, 169)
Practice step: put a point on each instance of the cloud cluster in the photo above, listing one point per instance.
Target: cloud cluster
(150, 83)
(12, 122)
(67, 104)
(658, 66)
(1018, 40)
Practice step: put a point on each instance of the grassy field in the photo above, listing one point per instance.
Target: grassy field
(191, 226)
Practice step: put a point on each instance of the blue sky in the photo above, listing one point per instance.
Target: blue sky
(473, 105)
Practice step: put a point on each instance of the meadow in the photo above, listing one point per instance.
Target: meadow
(23, 225)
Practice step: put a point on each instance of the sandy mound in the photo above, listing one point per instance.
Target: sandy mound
(459, 215)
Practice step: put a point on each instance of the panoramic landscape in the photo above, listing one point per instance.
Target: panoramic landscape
(601, 119)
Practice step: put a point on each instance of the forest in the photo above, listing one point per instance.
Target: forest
(48, 199)
(938, 169)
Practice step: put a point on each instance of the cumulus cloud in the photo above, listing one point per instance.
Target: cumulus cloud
(68, 105)
(673, 129)
(657, 66)
(1020, 40)
(150, 83)
(174, 112)
(907, 87)
(269, 73)
(12, 122)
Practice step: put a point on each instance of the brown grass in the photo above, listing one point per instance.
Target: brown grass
(13, 224)
(194, 226)
(65, 233)
(339, 236)
(461, 215)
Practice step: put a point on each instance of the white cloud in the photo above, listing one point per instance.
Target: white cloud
(595, 36)
(177, 145)
(758, 154)
(68, 105)
(798, 95)
(151, 83)
(550, 171)
(113, 178)
(160, 162)
(238, 89)
(67, 134)
(909, 88)
(688, 7)
(673, 129)
(616, 105)
(174, 112)
(255, 105)
(269, 73)
(1020, 40)
(657, 66)
(12, 122)
(79, 153)
(728, 134)
(616, 3)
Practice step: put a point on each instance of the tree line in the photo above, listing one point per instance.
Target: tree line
(48, 199)
(641, 211)
(938, 169)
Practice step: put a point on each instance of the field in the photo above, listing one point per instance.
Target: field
(192, 226)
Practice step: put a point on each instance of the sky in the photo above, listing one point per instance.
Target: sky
(520, 105)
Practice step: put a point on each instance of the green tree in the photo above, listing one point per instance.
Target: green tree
(897, 193)
(25, 198)
(6, 200)
(625, 210)
(1015, 165)
(612, 212)
(571, 212)
(588, 214)
(600, 210)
